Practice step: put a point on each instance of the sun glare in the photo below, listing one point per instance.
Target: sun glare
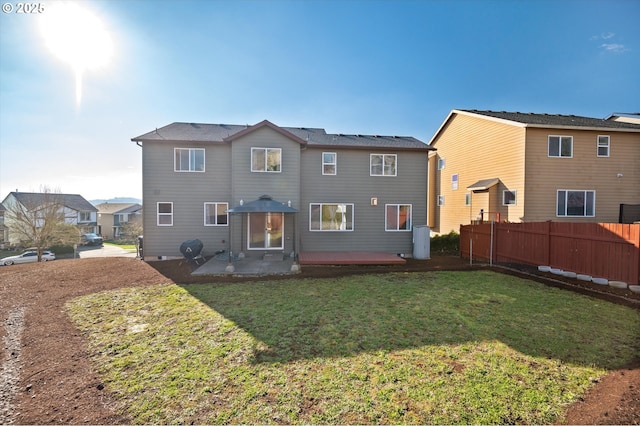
(77, 37)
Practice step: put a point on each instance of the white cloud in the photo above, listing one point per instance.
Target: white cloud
(613, 47)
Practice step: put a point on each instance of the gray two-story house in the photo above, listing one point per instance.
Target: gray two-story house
(269, 189)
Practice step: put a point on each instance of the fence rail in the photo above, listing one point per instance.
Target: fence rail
(608, 250)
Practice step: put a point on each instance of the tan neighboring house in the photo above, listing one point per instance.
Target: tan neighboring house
(113, 216)
(524, 167)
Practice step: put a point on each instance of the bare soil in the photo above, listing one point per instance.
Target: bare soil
(48, 376)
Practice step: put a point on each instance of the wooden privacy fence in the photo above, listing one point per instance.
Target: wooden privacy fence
(607, 250)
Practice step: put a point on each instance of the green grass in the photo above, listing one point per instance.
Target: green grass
(446, 347)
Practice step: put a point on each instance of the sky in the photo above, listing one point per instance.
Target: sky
(394, 67)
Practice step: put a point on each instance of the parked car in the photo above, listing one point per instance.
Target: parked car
(27, 257)
(91, 240)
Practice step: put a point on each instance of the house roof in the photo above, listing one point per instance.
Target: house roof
(264, 204)
(118, 208)
(483, 184)
(550, 121)
(312, 137)
(72, 201)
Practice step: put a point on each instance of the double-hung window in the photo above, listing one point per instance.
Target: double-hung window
(215, 214)
(383, 164)
(398, 217)
(454, 182)
(604, 145)
(188, 160)
(561, 146)
(329, 163)
(576, 203)
(165, 214)
(441, 163)
(266, 160)
(330, 217)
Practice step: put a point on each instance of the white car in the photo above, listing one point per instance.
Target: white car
(27, 257)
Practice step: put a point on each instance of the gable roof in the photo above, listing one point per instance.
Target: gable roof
(118, 208)
(72, 201)
(312, 137)
(548, 121)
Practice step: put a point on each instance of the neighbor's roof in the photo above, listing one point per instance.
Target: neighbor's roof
(118, 208)
(72, 201)
(555, 121)
(312, 137)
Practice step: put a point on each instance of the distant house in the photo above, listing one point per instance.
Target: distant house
(269, 189)
(113, 216)
(77, 210)
(518, 167)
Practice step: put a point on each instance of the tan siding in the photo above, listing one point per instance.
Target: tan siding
(585, 171)
(478, 149)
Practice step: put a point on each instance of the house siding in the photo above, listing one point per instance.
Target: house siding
(353, 184)
(188, 191)
(584, 171)
(473, 148)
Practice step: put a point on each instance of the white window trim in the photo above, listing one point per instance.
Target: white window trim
(442, 162)
(565, 204)
(395, 169)
(353, 218)
(398, 205)
(191, 166)
(266, 159)
(216, 203)
(334, 164)
(158, 214)
(515, 197)
(598, 146)
(559, 146)
(440, 200)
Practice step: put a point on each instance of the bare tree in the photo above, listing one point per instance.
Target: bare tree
(38, 220)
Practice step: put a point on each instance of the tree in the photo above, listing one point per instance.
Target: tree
(39, 220)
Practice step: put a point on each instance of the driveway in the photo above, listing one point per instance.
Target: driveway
(104, 251)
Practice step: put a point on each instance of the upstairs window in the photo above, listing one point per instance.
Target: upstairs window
(84, 217)
(165, 214)
(576, 203)
(331, 217)
(266, 160)
(215, 214)
(383, 164)
(398, 217)
(329, 163)
(188, 160)
(441, 163)
(603, 146)
(454, 182)
(440, 200)
(561, 146)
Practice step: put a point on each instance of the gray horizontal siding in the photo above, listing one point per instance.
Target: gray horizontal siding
(353, 184)
(188, 192)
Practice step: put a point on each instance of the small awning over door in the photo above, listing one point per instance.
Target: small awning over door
(264, 204)
(483, 185)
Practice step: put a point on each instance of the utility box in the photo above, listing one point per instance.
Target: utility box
(421, 242)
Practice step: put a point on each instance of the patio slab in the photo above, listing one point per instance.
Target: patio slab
(247, 266)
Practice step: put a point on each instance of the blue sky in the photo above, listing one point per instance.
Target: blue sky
(368, 67)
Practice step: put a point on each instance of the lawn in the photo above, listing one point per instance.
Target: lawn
(445, 347)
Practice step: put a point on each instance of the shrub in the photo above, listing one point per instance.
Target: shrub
(446, 243)
(61, 249)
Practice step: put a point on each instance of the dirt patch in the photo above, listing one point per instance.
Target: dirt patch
(58, 383)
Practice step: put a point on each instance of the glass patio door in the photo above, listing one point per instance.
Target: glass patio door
(266, 231)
